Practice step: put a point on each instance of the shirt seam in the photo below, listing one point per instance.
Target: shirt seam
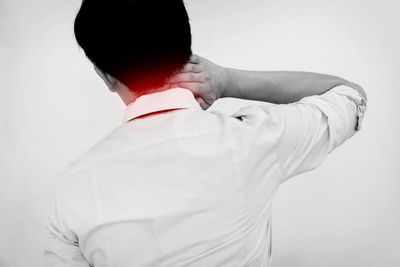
(95, 188)
(99, 208)
(238, 168)
(285, 176)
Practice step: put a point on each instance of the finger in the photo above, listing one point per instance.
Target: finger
(185, 78)
(194, 87)
(191, 68)
(194, 59)
(203, 104)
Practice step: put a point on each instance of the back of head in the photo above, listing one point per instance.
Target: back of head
(139, 42)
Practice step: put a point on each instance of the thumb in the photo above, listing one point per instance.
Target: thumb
(202, 103)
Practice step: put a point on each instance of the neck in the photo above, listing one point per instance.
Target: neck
(129, 97)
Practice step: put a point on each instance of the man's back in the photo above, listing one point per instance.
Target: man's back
(168, 190)
(189, 187)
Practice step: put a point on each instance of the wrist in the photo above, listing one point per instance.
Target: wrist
(226, 82)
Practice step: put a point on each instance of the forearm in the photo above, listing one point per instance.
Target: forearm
(279, 87)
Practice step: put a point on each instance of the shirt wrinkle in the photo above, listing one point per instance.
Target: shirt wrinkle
(94, 162)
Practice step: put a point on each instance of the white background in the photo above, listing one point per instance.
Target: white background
(53, 108)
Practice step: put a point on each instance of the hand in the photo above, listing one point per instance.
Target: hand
(204, 78)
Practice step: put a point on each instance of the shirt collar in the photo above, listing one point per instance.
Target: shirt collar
(174, 98)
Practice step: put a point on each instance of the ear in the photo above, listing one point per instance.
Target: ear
(112, 83)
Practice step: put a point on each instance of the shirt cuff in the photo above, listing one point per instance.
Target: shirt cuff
(355, 96)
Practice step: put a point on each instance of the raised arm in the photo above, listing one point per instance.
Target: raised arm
(280, 87)
(314, 113)
(210, 81)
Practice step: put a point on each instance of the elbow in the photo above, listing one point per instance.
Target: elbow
(358, 88)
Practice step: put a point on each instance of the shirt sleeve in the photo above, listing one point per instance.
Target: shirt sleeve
(62, 247)
(305, 132)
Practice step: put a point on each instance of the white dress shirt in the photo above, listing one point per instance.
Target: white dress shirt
(188, 187)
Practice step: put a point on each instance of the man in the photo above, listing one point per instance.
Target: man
(176, 185)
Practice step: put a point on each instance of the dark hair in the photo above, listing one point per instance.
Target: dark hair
(139, 42)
